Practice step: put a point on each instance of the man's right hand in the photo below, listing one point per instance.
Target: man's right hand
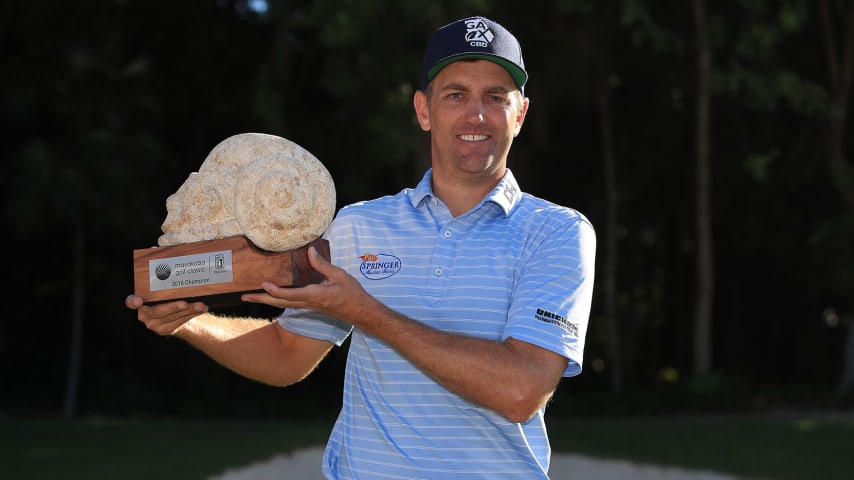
(165, 318)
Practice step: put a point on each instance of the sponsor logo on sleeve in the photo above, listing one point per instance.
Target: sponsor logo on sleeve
(549, 317)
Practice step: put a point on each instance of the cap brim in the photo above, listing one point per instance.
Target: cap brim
(519, 75)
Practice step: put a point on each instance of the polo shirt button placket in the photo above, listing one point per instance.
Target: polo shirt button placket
(444, 245)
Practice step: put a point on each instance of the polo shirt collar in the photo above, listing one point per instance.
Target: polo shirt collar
(506, 194)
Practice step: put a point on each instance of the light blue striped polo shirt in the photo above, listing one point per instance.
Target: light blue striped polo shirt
(514, 266)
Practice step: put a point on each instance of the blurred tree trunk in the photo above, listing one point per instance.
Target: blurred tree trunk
(840, 63)
(78, 291)
(846, 379)
(612, 329)
(705, 256)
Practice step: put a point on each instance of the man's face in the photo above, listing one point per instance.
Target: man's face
(474, 112)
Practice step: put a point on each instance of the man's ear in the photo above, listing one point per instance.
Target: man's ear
(421, 110)
(520, 117)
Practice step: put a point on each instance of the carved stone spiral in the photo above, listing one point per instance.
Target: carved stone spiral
(263, 186)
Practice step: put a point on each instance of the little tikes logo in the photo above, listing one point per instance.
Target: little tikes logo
(377, 266)
(478, 33)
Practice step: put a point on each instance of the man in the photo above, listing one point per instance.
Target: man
(466, 299)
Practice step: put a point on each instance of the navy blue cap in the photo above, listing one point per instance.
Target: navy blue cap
(473, 38)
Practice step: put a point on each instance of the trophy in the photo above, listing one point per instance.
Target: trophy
(249, 215)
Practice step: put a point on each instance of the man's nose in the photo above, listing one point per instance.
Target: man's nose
(476, 111)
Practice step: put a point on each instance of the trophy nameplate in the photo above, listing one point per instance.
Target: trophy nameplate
(217, 272)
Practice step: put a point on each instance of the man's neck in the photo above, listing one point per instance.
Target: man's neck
(462, 194)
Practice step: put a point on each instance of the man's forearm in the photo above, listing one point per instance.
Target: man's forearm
(512, 378)
(255, 348)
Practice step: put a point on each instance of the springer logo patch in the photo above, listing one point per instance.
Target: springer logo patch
(377, 266)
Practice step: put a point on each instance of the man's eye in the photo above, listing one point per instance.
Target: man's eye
(455, 95)
(497, 99)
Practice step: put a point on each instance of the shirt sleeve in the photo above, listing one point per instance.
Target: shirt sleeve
(552, 298)
(309, 323)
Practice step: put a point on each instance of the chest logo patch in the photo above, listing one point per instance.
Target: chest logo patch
(377, 266)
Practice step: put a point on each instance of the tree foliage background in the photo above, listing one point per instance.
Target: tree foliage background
(110, 104)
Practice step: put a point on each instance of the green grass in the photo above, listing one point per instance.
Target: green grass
(778, 448)
(98, 448)
(790, 447)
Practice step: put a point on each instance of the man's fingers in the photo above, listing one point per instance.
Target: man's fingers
(316, 260)
(172, 310)
(133, 301)
(272, 289)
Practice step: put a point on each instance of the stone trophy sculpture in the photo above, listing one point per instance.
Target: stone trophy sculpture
(248, 215)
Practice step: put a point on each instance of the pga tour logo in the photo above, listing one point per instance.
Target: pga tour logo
(377, 266)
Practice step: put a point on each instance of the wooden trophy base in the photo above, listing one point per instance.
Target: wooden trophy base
(217, 272)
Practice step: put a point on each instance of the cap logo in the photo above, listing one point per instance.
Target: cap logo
(478, 33)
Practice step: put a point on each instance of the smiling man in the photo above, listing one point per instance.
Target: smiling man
(465, 299)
